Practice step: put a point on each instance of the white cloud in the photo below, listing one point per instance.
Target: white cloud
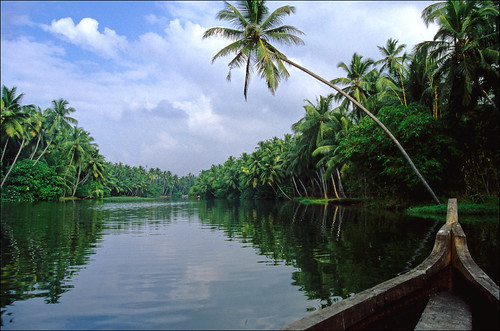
(164, 142)
(202, 119)
(159, 100)
(86, 35)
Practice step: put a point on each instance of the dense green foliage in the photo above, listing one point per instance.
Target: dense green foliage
(372, 161)
(440, 102)
(28, 182)
(474, 205)
(46, 156)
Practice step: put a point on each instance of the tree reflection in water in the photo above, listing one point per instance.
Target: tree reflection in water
(334, 251)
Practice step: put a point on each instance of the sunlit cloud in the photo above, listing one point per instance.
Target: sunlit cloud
(86, 35)
(156, 98)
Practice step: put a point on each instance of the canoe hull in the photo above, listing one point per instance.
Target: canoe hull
(398, 303)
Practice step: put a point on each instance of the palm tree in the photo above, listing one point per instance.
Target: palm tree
(465, 49)
(24, 134)
(79, 147)
(360, 82)
(252, 36)
(393, 62)
(38, 120)
(57, 121)
(335, 130)
(12, 116)
(313, 125)
(423, 81)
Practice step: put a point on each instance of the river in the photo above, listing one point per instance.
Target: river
(161, 264)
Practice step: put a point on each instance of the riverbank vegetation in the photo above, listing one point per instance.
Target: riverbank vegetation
(440, 100)
(47, 156)
(474, 205)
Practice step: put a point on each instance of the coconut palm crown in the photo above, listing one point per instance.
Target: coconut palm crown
(253, 32)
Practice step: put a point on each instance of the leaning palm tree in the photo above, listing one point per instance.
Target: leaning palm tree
(25, 135)
(12, 116)
(253, 31)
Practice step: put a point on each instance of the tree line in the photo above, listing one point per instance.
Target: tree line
(46, 156)
(440, 100)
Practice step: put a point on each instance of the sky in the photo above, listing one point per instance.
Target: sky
(142, 81)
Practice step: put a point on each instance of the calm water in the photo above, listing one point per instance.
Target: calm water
(200, 265)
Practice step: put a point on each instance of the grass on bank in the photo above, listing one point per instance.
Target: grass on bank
(313, 201)
(115, 199)
(484, 206)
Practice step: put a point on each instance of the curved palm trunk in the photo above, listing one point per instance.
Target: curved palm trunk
(488, 97)
(77, 180)
(341, 187)
(4, 149)
(334, 187)
(32, 155)
(296, 187)
(304, 187)
(410, 162)
(13, 163)
(402, 86)
(286, 195)
(43, 152)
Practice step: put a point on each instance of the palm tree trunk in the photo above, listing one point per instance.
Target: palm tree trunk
(402, 86)
(334, 187)
(286, 195)
(304, 187)
(488, 97)
(323, 182)
(13, 163)
(341, 187)
(43, 152)
(296, 187)
(4, 148)
(380, 124)
(36, 147)
(77, 180)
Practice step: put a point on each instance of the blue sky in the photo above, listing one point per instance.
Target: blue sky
(140, 75)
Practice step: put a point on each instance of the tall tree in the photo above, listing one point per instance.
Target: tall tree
(58, 120)
(393, 62)
(465, 49)
(79, 147)
(360, 83)
(12, 116)
(254, 30)
(24, 134)
(251, 41)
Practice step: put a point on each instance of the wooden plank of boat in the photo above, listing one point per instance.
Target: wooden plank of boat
(399, 302)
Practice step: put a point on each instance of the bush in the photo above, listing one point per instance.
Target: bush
(376, 166)
(31, 183)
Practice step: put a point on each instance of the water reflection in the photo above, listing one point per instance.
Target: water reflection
(337, 251)
(199, 264)
(42, 246)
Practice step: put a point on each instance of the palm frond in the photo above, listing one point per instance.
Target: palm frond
(231, 48)
(276, 17)
(232, 15)
(231, 34)
(285, 35)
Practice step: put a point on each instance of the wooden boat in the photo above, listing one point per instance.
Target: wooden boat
(399, 303)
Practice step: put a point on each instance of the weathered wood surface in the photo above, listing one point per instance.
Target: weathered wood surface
(398, 303)
(446, 311)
